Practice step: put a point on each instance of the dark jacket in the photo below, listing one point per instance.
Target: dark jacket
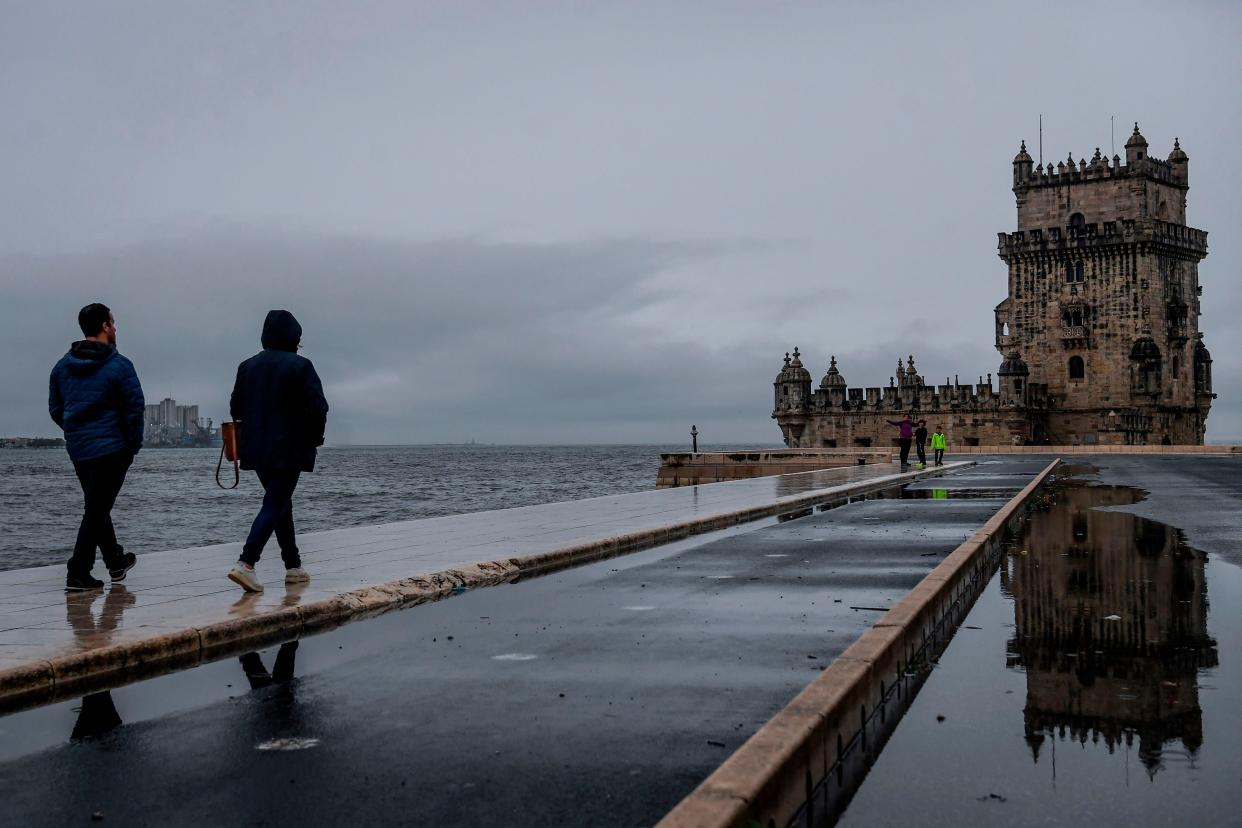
(906, 426)
(279, 401)
(920, 435)
(95, 396)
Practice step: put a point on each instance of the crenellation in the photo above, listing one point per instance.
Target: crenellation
(1099, 333)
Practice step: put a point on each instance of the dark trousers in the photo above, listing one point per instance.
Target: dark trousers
(922, 449)
(101, 479)
(282, 670)
(939, 456)
(904, 443)
(276, 514)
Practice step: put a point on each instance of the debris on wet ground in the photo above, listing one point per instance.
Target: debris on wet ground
(994, 796)
(714, 743)
(940, 717)
(292, 743)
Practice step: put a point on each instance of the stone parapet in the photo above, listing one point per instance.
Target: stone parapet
(692, 469)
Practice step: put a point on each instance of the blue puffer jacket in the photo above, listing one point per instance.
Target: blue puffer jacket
(94, 395)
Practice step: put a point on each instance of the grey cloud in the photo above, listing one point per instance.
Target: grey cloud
(195, 164)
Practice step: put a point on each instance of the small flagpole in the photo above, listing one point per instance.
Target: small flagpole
(1112, 139)
(1041, 139)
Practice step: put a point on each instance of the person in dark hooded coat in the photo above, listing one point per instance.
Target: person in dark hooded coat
(279, 404)
(95, 397)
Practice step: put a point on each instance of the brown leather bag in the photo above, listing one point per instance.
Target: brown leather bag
(230, 434)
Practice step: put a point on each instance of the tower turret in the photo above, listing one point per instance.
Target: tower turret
(1022, 167)
(834, 384)
(1012, 375)
(793, 398)
(1203, 368)
(1180, 162)
(1136, 147)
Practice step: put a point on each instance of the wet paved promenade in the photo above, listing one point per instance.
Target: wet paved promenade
(186, 588)
(598, 695)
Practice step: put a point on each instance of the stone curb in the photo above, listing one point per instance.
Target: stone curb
(767, 780)
(43, 681)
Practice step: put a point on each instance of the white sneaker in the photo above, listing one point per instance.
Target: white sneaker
(297, 575)
(245, 577)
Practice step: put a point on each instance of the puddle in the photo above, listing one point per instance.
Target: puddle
(515, 657)
(1090, 683)
(958, 494)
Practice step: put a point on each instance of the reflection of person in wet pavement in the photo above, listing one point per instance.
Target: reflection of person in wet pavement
(96, 716)
(88, 630)
(282, 670)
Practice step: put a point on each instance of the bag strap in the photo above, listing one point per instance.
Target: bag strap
(236, 472)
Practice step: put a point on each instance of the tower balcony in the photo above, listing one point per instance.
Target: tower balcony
(1073, 334)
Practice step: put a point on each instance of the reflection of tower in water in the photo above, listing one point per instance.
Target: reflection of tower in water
(1110, 615)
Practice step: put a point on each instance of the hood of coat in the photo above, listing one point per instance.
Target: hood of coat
(86, 356)
(281, 331)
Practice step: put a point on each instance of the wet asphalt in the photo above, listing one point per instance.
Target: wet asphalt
(595, 696)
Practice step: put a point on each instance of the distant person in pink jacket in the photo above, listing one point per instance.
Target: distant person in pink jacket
(905, 435)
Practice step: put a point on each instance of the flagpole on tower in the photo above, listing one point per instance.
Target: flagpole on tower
(1041, 139)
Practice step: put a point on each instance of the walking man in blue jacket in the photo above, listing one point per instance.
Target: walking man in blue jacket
(279, 404)
(95, 397)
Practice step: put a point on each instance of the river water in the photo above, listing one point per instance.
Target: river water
(170, 500)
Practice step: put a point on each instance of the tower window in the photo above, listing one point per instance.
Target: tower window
(1077, 370)
(1078, 277)
(1077, 220)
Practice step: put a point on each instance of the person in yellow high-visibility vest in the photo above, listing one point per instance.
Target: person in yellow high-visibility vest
(939, 444)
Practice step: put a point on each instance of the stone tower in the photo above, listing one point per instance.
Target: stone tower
(1102, 318)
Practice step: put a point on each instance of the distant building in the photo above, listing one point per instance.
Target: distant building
(169, 424)
(1099, 334)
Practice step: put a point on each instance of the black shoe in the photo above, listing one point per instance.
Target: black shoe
(127, 563)
(82, 583)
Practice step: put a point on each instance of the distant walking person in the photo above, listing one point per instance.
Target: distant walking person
(920, 443)
(939, 444)
(904, 436)
(278, 402)
(95, 397)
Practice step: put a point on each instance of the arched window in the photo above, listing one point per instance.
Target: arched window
(1077, 220)
(1077, 370)
(1078, 277)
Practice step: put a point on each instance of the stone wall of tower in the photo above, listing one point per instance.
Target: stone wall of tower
(1050, 201)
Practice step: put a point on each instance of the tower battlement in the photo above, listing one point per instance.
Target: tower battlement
(1096, 235)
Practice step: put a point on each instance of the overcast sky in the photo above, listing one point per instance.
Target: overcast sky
(578, 222)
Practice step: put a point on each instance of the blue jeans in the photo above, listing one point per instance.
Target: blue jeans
(276, 514)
